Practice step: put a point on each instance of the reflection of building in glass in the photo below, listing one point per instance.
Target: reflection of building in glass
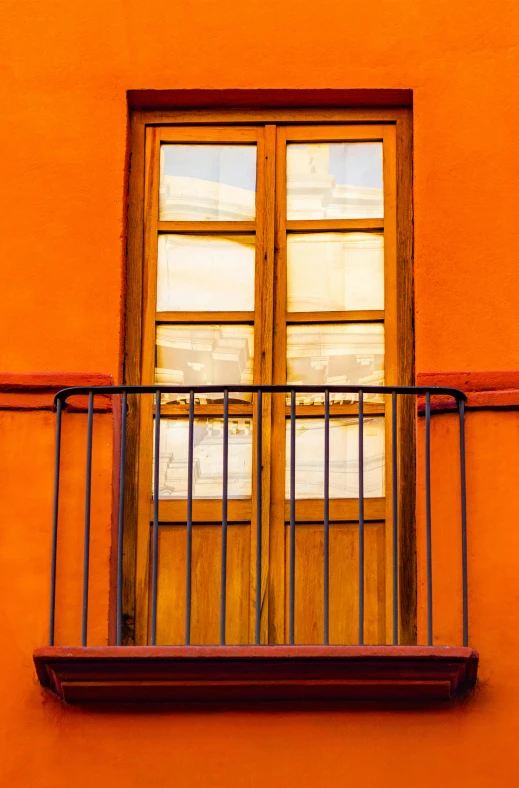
(207, 458)
(344, 458)
(335, 271)
(191, 199)
(205, 273)
(334, 181)
(350, 354)
(204, 355)
(207, 183)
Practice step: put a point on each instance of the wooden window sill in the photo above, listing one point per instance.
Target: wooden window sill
(230, 674)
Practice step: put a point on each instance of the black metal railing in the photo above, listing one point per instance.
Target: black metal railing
(426, 397)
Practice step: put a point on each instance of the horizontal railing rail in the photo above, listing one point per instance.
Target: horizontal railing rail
(257, 392)
(456, 394)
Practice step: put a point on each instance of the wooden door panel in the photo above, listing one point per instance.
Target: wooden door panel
(344, 583)
(205, 588)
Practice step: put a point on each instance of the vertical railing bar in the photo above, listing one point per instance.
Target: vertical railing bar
(155, 540)
(54, 554)
(88, 498)
(292, 558)
(361, 517)
(189, 519)
(120, 531)
(326, 545)
(428, 533)
(259, 513)
(464, 560)
(223, 584)
(394, 481)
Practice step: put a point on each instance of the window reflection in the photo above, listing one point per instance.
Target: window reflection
(334, 180)
(207, 458)
(349, 354)
(344, 458)
(205, 273)
(201, 355)
(207, 183)
(335, 271)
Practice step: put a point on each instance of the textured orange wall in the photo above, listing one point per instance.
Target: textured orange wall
(66, 68)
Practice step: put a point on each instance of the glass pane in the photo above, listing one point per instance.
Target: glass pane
(320, 354)
(337, 180)
(344, 458)
(335, 271)
(200, 355)
(205, 273)
(207, 458)
(207, 183)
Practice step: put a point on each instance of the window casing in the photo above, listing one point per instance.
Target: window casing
(285, 327)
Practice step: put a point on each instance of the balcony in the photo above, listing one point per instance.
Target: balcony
(372, 580)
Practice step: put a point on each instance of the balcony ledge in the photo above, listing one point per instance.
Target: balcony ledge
(231, 674)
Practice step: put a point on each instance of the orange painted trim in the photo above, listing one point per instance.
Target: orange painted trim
(36, 390)
(198, 674)
(492, 390)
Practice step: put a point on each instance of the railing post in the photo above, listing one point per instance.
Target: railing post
(292, 559)
(120, 532)
(428, 528)
(225, 475)
(88, 501)
(361, 518)
(326, 540)
(55, 510)
(259, 514)
(464, 559)
(155, 543)
(394, 501)
(189, 520)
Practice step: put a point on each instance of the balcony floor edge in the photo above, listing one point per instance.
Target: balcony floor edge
(256, 674)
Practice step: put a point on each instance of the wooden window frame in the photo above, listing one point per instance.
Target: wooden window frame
(208, 123)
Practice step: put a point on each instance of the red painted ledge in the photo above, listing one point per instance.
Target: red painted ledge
(229, 674)
(36, 390)
(487, 390)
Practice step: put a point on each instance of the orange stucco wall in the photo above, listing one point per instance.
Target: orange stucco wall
(65, 71)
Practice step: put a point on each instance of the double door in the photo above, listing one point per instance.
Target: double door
(269, 257)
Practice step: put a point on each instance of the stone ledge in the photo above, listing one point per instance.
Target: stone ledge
(488, 390)
(36, 390)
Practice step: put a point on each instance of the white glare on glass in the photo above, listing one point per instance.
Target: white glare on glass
(205, 273)
(335, 271)
(202, 355)
(344, 458)
(207, 183)
(335, 180)
(335, 354)
(207, 458)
